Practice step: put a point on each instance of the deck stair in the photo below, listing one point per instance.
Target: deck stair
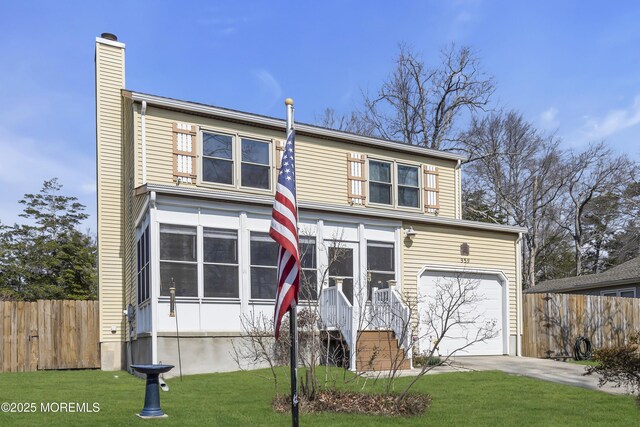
(378, 351)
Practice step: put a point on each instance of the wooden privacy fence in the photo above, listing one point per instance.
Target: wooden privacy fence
(553, 322)
(49, 335)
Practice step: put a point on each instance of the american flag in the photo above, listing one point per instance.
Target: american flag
(284, 230)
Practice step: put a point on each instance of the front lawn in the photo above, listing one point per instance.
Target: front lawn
(244, 399)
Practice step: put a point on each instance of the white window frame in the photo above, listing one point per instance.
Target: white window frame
(236, 159)
(419, 187)
(394, 184)
(618, 292)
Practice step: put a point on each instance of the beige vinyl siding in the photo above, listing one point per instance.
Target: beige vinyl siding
(133, 204)
(321, 164)
(109, 82)
(440, 245)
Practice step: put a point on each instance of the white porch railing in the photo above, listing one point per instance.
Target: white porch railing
(390, 312)
(337, 312)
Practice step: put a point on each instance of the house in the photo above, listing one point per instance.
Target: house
(185, 192)
(619, 281)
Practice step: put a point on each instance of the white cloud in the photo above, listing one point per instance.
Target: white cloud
(549, 118)
(613, 121)
(269, 86)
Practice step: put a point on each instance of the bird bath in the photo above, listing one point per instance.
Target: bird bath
(152, 394)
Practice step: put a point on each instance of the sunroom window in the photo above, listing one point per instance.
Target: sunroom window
(220, 263)
(309, 274)
(264, 262)
(380, 265)
(143, 275)
(178, 260)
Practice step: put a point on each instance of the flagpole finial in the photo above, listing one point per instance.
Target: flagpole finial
(288, 101)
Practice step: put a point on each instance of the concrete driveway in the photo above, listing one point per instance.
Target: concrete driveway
(544, 369)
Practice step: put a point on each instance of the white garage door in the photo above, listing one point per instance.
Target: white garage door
(481, 316)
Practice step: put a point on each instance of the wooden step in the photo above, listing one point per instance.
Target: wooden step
(378, 351)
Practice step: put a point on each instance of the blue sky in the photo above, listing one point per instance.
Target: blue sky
(570, 67)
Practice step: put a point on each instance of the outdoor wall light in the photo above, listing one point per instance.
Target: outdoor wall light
(410, 233)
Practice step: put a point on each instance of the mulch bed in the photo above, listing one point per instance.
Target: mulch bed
(358, 403)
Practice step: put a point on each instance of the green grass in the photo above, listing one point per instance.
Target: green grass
(244, 399)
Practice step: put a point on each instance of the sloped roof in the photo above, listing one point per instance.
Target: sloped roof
(628, 272)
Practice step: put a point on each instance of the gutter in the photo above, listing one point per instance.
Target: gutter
(279, 124)
(184, 191)
(458, 189)
(143, 132)
(602, 284)
(519, 295)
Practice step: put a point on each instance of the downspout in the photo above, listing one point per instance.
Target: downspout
(519, 295)
(458, 189)
(143, 132)
(155, 275)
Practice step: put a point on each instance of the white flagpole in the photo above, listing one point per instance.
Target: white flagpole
(293, 323)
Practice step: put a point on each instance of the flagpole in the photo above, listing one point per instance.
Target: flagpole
(293, 323)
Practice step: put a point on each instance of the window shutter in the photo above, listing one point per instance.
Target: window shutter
(279, 150)
(431, 189)
(184, 152)
(355, 179)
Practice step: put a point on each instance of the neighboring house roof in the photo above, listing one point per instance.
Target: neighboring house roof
(301, 128)
(625, 273)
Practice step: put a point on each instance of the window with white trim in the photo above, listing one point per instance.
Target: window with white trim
(380, 265)
(408, 186)
(178, 260)
(220, 263)
(264, 262)
(217, 158)
(234, 160)
(255, 169)
(380, 187)
(144, 271)
(309, 273)
(394, 184)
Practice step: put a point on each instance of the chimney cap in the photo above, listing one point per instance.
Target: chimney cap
(109, 36)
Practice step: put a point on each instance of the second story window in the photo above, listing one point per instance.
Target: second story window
(394, 184)
(380, 182)
(408, 186)
(255, 170)
(234, 160)
(217, 158)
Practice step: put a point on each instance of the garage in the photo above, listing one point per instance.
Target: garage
(483, 312)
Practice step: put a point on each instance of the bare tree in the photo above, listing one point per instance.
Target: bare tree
(451, 312)
(591, 173)
(258, 346)
(418, 105)
(353, 122)
(518, 175)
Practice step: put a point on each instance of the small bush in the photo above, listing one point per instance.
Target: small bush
(619, 365)
(427, 361)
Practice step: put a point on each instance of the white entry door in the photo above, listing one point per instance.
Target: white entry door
(343, 264)
(485, 311)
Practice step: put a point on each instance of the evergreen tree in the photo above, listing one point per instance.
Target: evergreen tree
(48, 257)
